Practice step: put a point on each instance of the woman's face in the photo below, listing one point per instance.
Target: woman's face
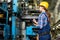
(40, 8)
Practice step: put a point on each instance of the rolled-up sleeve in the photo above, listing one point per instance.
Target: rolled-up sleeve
(42, 21)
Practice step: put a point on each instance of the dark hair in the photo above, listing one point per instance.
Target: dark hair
(48, 14)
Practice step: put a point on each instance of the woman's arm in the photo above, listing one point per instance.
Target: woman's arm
(41, 20)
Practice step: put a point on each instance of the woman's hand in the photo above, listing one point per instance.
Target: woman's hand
(35, 22)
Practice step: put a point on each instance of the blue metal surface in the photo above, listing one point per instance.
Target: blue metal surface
(4, 5)
(5, 12)
(1, 8)
(15, 4)
(6, 32)
(5, 25)
(29, 30)
(6, 17)
(13, 28)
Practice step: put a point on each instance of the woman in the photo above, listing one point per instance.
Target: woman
(43, 22)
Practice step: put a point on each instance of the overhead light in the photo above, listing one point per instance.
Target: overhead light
(8, 1)
(53, 28)
(30, 6)
(9, 18)
(57, 26)
(26, 4)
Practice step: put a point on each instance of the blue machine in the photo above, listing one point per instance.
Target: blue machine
(13, 28)
(14, 5)
(30, 32)
(4, 27)
(4, 5)
(5, 15)
(4, 32)
(4, 20)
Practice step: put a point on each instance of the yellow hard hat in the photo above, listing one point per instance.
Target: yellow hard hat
(45, 4)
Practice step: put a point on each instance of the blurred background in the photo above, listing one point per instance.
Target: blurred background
(16, 19)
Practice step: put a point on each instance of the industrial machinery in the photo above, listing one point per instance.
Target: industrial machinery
(55, 31)
(8, 20)
(16, 19)
(28, 13)
(4, 27)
